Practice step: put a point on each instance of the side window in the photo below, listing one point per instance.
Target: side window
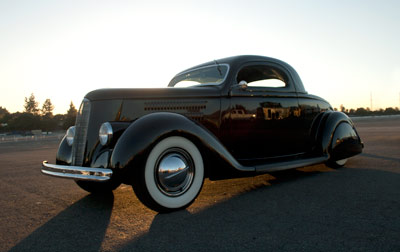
(262, 76)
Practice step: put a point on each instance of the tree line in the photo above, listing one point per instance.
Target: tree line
(35, 118)
(368, 112)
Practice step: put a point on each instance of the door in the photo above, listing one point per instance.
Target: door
(264, 114)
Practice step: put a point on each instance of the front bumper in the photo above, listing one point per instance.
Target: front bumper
(76, 172)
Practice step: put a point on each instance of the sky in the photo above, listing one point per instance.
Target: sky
(344, 51)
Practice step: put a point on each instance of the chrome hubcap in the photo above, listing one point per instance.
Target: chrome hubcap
(174, 172)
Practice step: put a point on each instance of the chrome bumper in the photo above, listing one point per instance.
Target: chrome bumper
(76, 172)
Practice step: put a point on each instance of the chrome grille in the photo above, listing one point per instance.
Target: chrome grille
(81, 127)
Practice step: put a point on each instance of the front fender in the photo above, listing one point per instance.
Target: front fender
(338, 137)
(64, 153)
(134, 145)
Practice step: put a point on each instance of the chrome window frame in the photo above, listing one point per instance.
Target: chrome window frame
(203, 67)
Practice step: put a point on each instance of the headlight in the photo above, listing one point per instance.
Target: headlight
(70, 135)
(105, 133)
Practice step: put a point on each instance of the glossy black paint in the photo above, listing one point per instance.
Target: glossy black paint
(64, 153)
(344, 142)
(329, 124)
(267, 126)
(137, 141)
(238, 130)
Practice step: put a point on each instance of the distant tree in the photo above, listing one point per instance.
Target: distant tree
(342, 108)
(3, 113)
(24, 122)
(70, 116)
(4, 118)
(48, 123)
(47, 108)
(362, 111)
(391, 111)
(72, 110)
(31, 105)
(60, 120)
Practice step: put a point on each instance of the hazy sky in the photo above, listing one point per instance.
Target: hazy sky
(344, 51)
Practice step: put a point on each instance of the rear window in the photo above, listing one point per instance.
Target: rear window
(262, 76)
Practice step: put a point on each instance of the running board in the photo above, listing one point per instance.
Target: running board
(291, 164)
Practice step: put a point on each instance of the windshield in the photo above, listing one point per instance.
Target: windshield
(208, 75)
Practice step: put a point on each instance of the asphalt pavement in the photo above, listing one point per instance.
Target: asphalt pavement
(355, 208)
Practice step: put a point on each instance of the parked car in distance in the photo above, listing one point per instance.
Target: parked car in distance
(233, 117)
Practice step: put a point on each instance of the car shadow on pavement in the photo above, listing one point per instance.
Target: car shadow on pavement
(380, 157)
(80, 227)
(235, 224)
(301, 211)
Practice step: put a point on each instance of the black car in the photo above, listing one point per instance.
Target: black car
(233, 117)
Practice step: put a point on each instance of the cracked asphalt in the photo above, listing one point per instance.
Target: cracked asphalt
(355, 208)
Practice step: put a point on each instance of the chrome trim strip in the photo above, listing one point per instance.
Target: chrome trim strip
(76, 172)
(291, 164)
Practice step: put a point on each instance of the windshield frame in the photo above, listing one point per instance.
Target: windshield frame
(171, 84)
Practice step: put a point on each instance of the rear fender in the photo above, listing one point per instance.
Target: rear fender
(345, 142)
(338, 137)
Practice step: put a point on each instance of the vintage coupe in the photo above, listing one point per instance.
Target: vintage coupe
(233, 117)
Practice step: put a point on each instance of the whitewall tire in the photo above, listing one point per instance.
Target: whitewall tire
(172, 176)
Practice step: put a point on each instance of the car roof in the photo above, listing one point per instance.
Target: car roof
(236, 61)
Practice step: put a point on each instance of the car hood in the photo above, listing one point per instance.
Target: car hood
(152, 93)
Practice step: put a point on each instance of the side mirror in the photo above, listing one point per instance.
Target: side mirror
(242, 85)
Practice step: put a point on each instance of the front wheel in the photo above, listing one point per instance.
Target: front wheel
(172, 176)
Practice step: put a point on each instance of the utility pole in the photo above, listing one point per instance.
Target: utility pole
(399, 101)
(371, 101)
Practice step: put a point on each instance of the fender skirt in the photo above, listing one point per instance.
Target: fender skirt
(339, 138)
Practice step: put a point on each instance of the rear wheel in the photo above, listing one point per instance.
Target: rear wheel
(337, 163)
(172, 176)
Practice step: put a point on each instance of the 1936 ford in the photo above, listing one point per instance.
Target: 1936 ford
(233, 117)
